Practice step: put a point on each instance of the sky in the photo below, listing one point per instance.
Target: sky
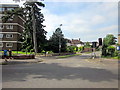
(85, 20)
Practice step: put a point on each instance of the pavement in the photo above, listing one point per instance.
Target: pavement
(21, 61)
(73, 72)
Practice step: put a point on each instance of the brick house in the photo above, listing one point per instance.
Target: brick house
(75, 42)
(10, 31)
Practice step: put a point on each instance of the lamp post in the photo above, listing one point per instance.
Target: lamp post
(60, 41)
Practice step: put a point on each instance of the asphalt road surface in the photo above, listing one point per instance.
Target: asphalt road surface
(72, 72)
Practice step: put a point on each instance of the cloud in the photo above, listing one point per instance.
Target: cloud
(110, 29)
(97, 19)
(81, 0)
(93, 22)
(85, 20)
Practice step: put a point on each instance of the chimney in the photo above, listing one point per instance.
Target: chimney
(79, 39)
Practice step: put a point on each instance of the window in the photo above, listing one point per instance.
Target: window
(9, 27)
(1, 44)
(1, 27)
(9, 35)
(1, 35)
(9, 44)
(10, 8)
(2, 9)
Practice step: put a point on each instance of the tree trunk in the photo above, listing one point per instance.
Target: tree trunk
(34, 31)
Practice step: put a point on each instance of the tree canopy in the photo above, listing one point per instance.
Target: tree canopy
(56, 40)
(107, 42)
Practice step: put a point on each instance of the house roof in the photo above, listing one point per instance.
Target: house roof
(76, 41)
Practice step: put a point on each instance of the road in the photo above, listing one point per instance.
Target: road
(72, 72)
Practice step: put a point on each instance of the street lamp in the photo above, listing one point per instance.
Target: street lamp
(60, 40)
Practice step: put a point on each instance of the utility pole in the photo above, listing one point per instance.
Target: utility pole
(34, 30)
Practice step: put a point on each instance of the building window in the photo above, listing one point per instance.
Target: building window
(1, 44)
(10, 8)
(9, 35)
(9, 44)
(1, 27)
(2, 9)
(9, 27)
(1, 35)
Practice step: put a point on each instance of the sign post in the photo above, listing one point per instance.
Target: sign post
(93, 49)
(118, 48)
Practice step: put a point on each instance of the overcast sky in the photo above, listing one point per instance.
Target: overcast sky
(86, 20)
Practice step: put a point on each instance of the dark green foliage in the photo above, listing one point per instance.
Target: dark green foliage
(40, 32)
(109, 40)
(111, 50)
(107, 48)
(14, 12)
(54, 41)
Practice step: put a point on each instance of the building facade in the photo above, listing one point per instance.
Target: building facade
(10, 31)
(119, 38)
(75, 42)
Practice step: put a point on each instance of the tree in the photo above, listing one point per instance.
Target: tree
(108, 41)
(38, 33)
(56, 40)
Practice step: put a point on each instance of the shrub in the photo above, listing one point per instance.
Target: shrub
(116, 53)
(43, 51)
(50, 52)
(72, 49)
(111, 50)
(80, 48)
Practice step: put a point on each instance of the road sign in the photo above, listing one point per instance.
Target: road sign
(118, 48)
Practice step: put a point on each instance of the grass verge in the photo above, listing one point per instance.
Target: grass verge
(66, 56)
(108, 57)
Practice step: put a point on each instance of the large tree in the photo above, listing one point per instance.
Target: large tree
(108, 41)
(34, 23)
(57, 43)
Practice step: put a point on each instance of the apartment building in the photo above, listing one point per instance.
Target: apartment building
(10, 31)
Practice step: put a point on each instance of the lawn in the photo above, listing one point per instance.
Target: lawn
(23, 53)
(18, 52)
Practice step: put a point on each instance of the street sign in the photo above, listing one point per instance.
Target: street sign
(118, 48)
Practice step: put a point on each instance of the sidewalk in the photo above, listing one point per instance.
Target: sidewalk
(21, 61)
